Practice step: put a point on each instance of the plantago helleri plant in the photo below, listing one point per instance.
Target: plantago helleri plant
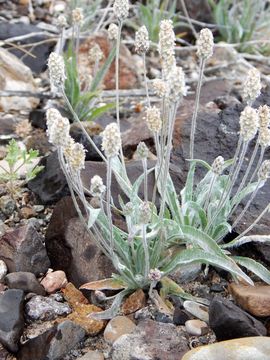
(181, 231)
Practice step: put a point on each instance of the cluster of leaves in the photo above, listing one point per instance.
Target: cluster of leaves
(19, 164)
(241, 21)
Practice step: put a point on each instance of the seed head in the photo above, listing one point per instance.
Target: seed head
(75, 156)
(113, 32)
(52, 116)
(252, 86)
(142, 151)
(217, 166)
(160, 87)
(177, 84)
(249, 122)
(128, 208)
(95, 54)
(144, 213)
(121, 9)
(77, 16)
(264, 171)
(155, 275)
(142, 40)
(264, 116)
(97, 188)
(205, 44)
(111, 140)
(264, 137)
(56, 67)
(153, 118)
(57, 128)
(166, 46)
(62, 21)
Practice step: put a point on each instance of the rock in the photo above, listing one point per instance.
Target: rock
(54, 343)
(15, 75)
(92, 355)
(116, 327)
(7, 205)
(128, 76)
(22, 250)
(45, 308)
(3, 270)
(198, 310)
(254, 299)
(238, 349)
(134, 302)
(228, 321)
(186, 273)
(41, 51)
(54, 281)
(196, 327)
(4, 354)
(38, 140)
(151, 340)
(37, 118)
(180, 316)
(71, 249)
(82, 310)
(11, 318)
(25, 281)
(27, 212)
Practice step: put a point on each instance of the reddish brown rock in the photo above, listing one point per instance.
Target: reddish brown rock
(134, 302)
(254, 299)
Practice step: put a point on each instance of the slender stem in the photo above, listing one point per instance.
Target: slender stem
(196, 108)
(77, 41)
(258, 165)
(146, 252)
(145, 80)
(108, 203)
(210, 192)
(247, 205)
(184, 8)
(144, 162)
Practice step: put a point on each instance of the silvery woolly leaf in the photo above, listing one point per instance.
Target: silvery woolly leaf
(93, 215)
(247, 239)
(255, 267)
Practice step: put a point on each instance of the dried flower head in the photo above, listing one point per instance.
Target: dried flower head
(264, 171)
(142, 151)
(264, 137)
(205, 44)
(95, 54)
(128, 208)
(249, 122)
(57, 128)
(142, 40)
(113, 32)
(111, 140)
(264, 116)
(177, 84)
(121, 9)
(153, 118)
(166, 46)
(97, 188)
(62, 21)
(144, 213)
(77, 16)
(252, 86)
(56, 67)
(217, 166)
(155, 275)
(75, 156)
(160, 87)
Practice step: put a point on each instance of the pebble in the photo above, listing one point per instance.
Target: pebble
(92, 355)
(196, 327)
(118, 326)
(237, 349)
(254, 299)
(198, 310)
(134, 302)
(180, 316)
(45, 308)
(38, 208)
(7, 205)
(25, 281)
(27, 212)
(3, 270)
(54, 281)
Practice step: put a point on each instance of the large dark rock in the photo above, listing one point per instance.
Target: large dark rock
(54, 343)
(11, 318)
(22, 250)
(228, 321)
(41, 51)
(151, 340)
(70, 247)
(25, 281)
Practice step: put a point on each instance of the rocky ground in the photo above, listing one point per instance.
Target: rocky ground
(45, 253)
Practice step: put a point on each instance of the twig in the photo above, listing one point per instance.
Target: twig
(184, 8)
